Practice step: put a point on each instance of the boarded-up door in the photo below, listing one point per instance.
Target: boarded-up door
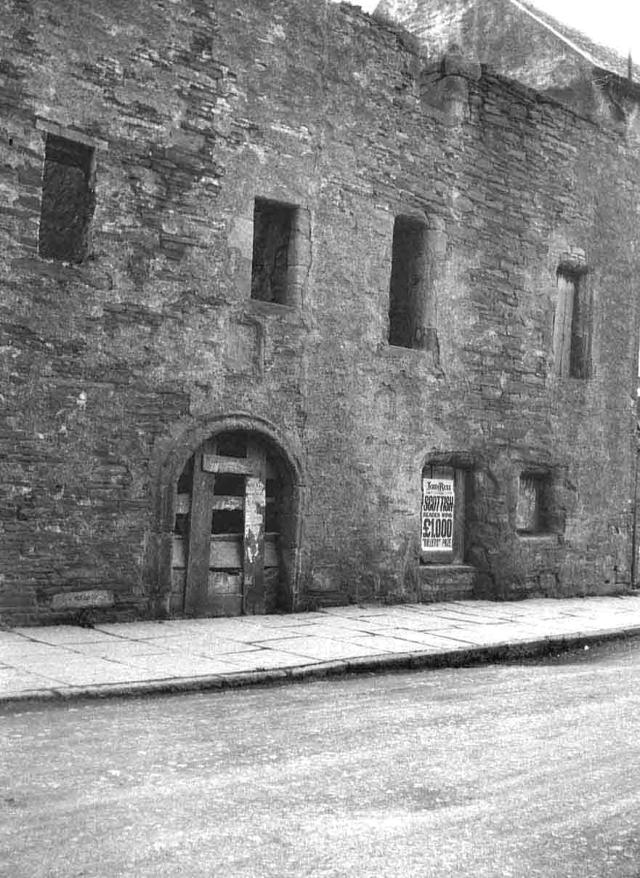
(226, 545)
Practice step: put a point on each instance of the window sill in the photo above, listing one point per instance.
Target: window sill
(400, 354)
(287, 314)
(400, 348)
(436, 566)
(269, 307)
(546, 537)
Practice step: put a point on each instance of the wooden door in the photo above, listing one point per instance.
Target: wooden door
(229, 565)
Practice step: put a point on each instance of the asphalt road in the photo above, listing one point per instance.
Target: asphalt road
(516, 770)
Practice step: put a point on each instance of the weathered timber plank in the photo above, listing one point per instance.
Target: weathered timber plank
(253, 546)
(271, 589)
(178, 557)
(226, 554)
(213, 463)
(222, 583)
(225, 605)
(224, 503)
(197, 584)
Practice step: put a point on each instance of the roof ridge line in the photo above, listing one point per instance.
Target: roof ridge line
(557, 33)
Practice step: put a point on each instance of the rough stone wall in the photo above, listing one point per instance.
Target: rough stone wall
(113, 367)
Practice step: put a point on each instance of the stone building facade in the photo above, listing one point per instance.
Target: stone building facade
(290, 316)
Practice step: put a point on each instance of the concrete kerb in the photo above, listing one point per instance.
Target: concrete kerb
(428, 660)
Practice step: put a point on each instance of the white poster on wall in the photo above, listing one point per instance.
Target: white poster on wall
(438, 502)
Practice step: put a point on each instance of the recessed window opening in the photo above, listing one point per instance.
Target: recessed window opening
(407, 287)
(67, 200)
(273, 233)
(533, 512)
(572, 333)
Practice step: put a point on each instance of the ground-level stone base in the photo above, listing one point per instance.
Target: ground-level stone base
(446, 582)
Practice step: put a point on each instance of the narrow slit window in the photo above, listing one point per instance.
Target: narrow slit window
(67, 200)
(407, 292)
(572, 331)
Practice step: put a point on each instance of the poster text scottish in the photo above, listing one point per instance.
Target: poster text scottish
(438, 501)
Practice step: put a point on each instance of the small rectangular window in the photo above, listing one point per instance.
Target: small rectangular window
(67, 200)
(408, 293)
(572, 330)
(279, 252)
(533, 514)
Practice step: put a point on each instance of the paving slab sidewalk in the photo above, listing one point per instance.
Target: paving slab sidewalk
(136, 658)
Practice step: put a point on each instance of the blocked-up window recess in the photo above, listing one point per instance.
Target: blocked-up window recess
(573, 323)
(409, 295)
(67, 200)
(534, 508)
(281, 252)
(443, 514)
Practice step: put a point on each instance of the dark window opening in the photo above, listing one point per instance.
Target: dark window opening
(232, 444)
(533, 512)
(273, 233)
(181, 524)
(227, 521)
(185, 480)
(229, 485)
(407, 305)
(572, 332)
(67, 200)
(272, 519)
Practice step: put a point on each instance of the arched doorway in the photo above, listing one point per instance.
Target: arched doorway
(233, 532)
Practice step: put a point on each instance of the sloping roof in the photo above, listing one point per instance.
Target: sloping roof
(599, 56)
